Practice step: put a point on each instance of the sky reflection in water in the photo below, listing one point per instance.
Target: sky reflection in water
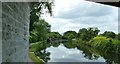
(63, 54)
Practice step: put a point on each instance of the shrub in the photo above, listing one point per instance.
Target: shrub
(104, 43)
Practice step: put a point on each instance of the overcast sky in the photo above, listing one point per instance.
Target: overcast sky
(77, 14)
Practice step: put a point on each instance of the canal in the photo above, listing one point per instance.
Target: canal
(68, 52)
(63, 54)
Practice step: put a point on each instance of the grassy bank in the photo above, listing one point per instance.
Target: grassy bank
(32, 55)
(35, 59)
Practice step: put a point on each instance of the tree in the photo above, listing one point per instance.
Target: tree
(87, 34)
(69, 34)
(33, 37)
(37, 11)
(109, 34)
(55, 35)
(39, 27)
(83, 34)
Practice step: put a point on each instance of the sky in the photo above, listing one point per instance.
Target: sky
(63, 54)
(77, 14)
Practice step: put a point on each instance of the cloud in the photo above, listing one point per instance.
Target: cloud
(83, 14)
(84, 9)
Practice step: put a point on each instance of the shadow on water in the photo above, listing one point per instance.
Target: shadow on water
(110, 57)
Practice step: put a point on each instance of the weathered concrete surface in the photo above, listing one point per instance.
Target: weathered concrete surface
(0, 32)
(118, 20)
(15, 31)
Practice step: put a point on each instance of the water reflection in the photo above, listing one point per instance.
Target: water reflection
(63, 54)
(68, 52)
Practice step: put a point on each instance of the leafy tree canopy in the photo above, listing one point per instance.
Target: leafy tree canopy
(109, 34)
(70, 34)
(89, 33)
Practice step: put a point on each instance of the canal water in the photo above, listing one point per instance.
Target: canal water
(63, 54)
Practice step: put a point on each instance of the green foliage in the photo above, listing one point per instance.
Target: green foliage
(35, 59)
(69, 35)
(39, 33)
(109, 34)
(33, 47)
(107, 47)
(40, 6)
(41, 52)
(39, 49)
(37, 11)
(87, 34)
(42, 29)
(39, 27)
(56, 44)
(54, 35)
(45, 56)
(104, 43)
(69, 44)
(79, 42)
(33, 37)
(118, 36)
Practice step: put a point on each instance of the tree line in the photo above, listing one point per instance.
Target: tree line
(86, 34)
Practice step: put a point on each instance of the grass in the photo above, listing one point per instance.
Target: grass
(32, 56)
(32, 48)
(35, 59)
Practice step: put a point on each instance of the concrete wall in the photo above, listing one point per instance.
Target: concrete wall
(0, 32)
(15, 31)
(118, 20)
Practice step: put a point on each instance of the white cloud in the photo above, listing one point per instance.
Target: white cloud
(73, 15)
